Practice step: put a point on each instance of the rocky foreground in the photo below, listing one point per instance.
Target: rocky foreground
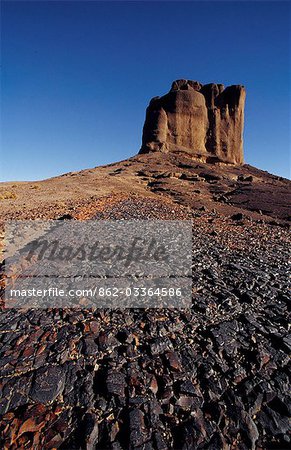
(214, 376)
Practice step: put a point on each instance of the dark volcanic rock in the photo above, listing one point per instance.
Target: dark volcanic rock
(115, 383)
(47, 384)
(213, 376)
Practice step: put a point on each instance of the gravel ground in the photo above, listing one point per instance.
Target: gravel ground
(214, 376)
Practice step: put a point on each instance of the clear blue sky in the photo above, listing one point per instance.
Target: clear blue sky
(77, 77)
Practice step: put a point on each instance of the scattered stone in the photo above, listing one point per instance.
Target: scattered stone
(116, 384)
(160, 345)
(185, 402)
(154, 385)
(47, 384)
(245, 178)
(187, 387)
(238, 216)
(173, 361)
(91, 430)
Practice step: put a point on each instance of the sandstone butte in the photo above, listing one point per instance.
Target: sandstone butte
(204, 121)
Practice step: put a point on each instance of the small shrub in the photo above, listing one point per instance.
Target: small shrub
(8, 195)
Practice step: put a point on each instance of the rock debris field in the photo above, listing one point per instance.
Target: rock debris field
(213, 376)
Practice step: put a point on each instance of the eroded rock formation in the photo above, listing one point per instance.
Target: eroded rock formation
(205, 121)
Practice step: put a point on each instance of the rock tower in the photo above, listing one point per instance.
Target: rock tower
(205, 121)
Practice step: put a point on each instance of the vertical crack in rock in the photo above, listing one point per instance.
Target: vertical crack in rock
(203, 121)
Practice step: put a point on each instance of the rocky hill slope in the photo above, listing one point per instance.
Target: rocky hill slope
(214, 376)
(176, 177)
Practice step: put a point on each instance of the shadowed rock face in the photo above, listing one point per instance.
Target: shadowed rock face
(204, 121)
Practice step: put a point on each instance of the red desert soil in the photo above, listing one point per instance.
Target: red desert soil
(185, 180)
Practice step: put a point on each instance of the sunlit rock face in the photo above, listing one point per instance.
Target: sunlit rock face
(205, 121)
